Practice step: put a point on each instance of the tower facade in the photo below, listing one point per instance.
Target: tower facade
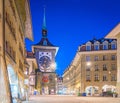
(45, 53)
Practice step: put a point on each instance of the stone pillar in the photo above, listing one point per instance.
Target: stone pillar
(118, 65)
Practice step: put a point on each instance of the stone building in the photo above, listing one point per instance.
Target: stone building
(15, 24)
(44, 52)
(59, 85)
(32, 75)
(94, 68)
(115, 33)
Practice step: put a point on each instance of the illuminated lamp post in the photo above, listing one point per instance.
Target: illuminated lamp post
(53, 66)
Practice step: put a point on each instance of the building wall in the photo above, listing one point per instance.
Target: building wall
(109, 72)
(13, 42)
(115, 33)
(74, 77)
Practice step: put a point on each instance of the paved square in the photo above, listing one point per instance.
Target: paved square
(71, 99)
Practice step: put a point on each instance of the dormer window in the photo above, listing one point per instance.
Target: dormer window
(113, 45)
(105, 45)
(96, 45)
(88, 46)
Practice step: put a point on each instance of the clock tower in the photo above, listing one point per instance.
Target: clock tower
(45, 53)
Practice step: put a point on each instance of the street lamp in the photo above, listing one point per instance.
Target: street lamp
(88, 63)
(53, 66)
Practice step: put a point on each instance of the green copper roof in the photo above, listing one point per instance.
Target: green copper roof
(44, 21)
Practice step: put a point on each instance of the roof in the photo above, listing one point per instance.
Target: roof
(44, 42)
(114, 32)
(99, 40)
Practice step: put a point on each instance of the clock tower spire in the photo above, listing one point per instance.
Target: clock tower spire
(44, 29)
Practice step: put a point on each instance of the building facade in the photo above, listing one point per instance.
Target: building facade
(93, 69)
(15, 24)
(59, 85)
(31, 60)
(115, 33)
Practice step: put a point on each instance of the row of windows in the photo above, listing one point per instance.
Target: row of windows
(96, 58)
(104, 78)
(96, 67)
(104, 46)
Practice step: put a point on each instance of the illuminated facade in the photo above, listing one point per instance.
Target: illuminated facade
(59, 85)
(32, 75)
(15, 24)
(93, 69)
(115, 33)
(44, 53)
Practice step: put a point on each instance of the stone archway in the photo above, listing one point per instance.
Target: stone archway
(111, 88)
(91, 90)
(13, 80)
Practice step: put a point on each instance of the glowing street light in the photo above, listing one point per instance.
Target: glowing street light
(88, 63)
(67, 78)
(53, 66)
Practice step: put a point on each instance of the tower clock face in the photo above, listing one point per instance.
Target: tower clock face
(44, 63)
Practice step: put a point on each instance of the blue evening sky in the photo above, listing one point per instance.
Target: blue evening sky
(71, 23)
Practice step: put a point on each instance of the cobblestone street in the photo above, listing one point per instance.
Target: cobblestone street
(71, 99)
